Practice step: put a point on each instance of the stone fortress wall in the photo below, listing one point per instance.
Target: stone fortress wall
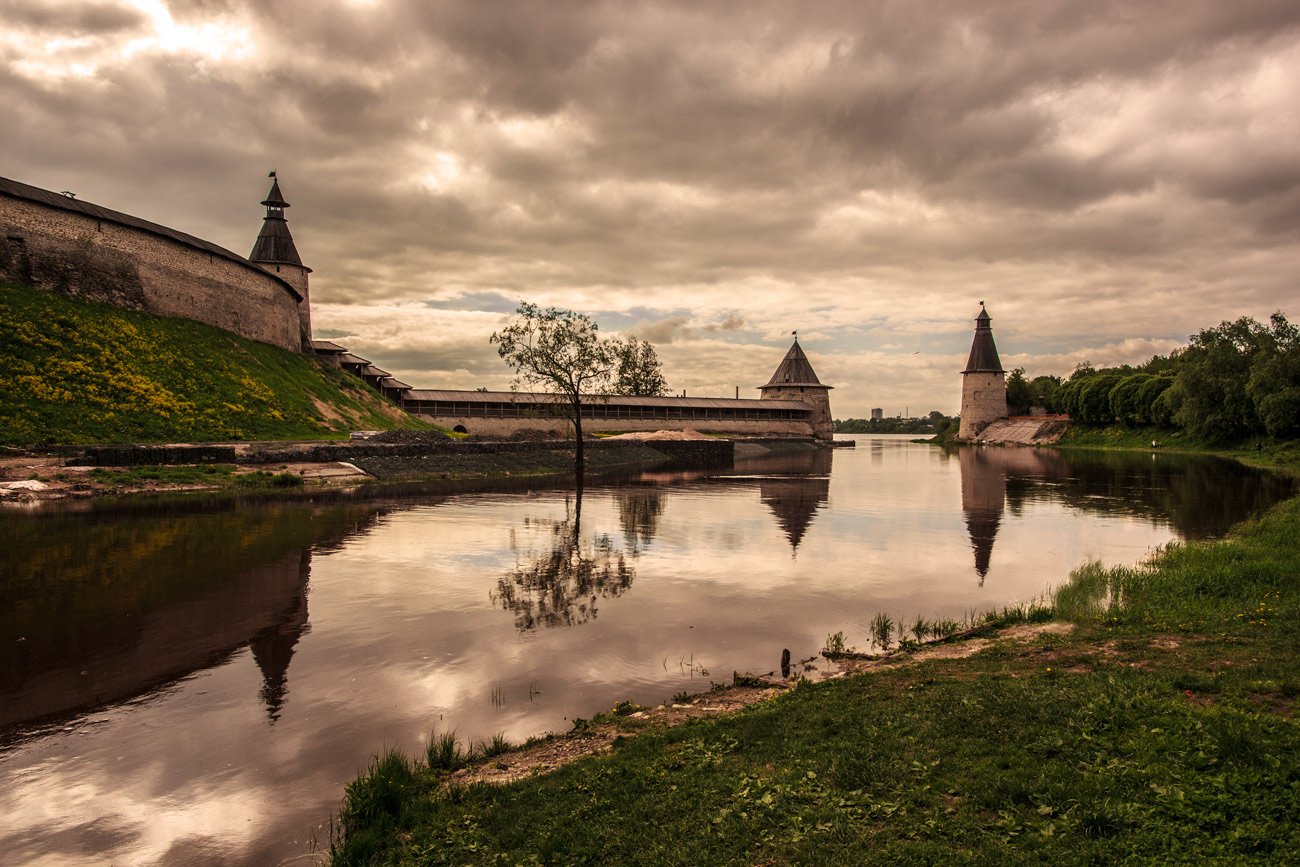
(559, 427)
(55, 242)
(819, 422)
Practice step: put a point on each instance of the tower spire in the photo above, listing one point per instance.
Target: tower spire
(274, 243)
(275, 252)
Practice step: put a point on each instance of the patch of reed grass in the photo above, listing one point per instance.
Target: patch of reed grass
(443, 752)
(494, 746)
(835, 643)
(882, 631)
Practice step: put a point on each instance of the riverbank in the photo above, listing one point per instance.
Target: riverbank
(1279, 454)
(1160, 728)
(394, 458)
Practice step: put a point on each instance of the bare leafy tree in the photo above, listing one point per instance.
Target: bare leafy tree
(639, 370)
(561, 352)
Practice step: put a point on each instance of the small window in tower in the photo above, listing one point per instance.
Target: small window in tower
(99, 227)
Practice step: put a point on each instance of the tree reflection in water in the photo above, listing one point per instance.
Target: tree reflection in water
(639, 509)
(560, 586)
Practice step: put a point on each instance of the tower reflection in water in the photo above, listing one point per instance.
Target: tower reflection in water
(140, 602)
(1198, 496)
(794, 490)
(984, 474)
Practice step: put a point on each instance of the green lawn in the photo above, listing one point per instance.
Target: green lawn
(75, 371)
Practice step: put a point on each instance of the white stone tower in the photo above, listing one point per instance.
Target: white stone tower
(795, 380)
(983, 382)
(274, 251)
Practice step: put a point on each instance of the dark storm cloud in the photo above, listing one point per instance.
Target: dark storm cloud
(751, 163)
(70, 17)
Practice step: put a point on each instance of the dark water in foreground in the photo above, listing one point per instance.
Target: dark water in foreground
(196, 686)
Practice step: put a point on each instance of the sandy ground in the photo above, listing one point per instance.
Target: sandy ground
(687, 434)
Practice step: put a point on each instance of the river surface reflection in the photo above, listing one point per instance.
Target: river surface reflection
(197, 686)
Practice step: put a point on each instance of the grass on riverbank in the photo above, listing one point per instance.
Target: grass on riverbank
(1162, 730)
(218, 476)
(1263, 451)
(77, 371)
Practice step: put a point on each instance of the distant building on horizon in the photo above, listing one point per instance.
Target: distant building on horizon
(877, 413)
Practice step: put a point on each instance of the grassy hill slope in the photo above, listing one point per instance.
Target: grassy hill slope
(74, 371)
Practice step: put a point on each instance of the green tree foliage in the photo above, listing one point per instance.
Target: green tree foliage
(1125, 398)
(1068, 396)
(562, 352)
(1238, 380)
(1213, 375)
(1094, 397)
(935, 422)
(1150, 403)
(639, 371)
(1044, 389)
(1274, 384)
(1020, 393)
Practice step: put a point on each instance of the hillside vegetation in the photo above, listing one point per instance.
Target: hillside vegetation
(75, 371)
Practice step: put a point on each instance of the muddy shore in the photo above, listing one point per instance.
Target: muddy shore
(29, 478)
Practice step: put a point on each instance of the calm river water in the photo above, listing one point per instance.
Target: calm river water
(196, 684)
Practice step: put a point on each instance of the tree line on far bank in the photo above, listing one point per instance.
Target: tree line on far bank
(936, 422)
(1236, 381)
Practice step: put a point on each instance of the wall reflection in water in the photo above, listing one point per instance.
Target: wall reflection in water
(1199, 497)
(99, 609)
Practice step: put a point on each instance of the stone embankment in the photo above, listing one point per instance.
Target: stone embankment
(390, 444)
(400, 456)
(1023, 431)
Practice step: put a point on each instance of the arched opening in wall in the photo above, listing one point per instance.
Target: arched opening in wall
(460, 428)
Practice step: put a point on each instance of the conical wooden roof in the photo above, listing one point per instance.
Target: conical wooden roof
(274, 244)
(983, 351)
(794, 369)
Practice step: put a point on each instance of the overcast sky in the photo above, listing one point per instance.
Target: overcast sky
(1108, 177)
